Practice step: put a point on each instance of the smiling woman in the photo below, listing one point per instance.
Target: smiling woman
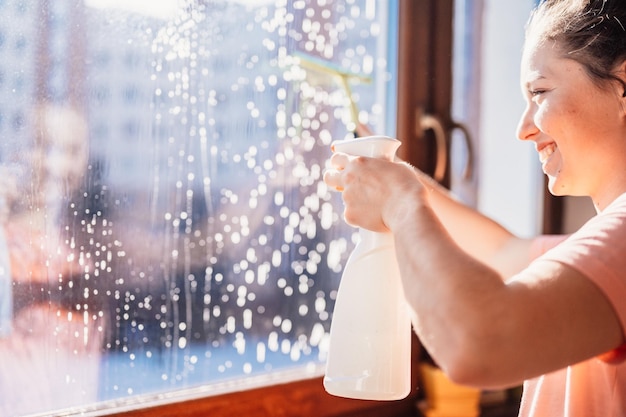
(169, 230)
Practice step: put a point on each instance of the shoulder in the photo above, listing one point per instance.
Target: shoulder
(604, 229)
(602, 236)
(598, 252)
(598, 247)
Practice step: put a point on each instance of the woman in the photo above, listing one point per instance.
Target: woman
(493, 309)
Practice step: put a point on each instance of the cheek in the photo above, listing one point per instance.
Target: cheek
(593, 113)
(561, 121)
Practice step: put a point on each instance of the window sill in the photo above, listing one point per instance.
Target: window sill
(298, 399)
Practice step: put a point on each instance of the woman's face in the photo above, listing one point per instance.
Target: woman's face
(577, 127)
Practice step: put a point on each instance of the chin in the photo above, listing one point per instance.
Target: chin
(555, 188)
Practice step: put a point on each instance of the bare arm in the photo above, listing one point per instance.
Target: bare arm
(478, 235)
(480, 329)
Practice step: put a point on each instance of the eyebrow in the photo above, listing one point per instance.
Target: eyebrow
(535, 76)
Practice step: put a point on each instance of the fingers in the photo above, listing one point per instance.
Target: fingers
(333, 177)
(339, 161)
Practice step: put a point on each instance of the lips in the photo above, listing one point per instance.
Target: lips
(546, 151)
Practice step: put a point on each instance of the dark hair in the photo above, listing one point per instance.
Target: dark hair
(591, 32)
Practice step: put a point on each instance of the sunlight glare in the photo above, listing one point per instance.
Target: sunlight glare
(161, 9)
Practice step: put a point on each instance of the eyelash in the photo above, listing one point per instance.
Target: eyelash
(535, 93)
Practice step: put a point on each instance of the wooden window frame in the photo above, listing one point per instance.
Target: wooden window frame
(425, 77)
(425, 74)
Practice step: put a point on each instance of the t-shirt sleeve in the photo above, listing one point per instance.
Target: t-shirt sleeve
(598, 251)
(544, 243)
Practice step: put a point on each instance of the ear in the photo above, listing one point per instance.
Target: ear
(621, 73)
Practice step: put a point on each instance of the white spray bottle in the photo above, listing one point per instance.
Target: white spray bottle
(369, 353)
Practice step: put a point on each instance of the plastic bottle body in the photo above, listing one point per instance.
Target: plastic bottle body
(369, 353)
(370, 337)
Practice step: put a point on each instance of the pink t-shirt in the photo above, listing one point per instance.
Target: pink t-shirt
(595, 387)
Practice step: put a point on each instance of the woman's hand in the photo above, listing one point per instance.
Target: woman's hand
(377, 193)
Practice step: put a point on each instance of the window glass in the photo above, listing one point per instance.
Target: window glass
(164, 222)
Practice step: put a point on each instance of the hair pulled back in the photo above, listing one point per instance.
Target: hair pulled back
(591, 32)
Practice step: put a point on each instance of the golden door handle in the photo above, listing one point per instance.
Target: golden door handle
(430, 122)
(468, 171)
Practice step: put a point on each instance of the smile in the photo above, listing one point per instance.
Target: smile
(546, 152)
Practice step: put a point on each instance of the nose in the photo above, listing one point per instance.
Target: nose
(526, 128)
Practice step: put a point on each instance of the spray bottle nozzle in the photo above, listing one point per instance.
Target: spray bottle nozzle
(383, 147)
